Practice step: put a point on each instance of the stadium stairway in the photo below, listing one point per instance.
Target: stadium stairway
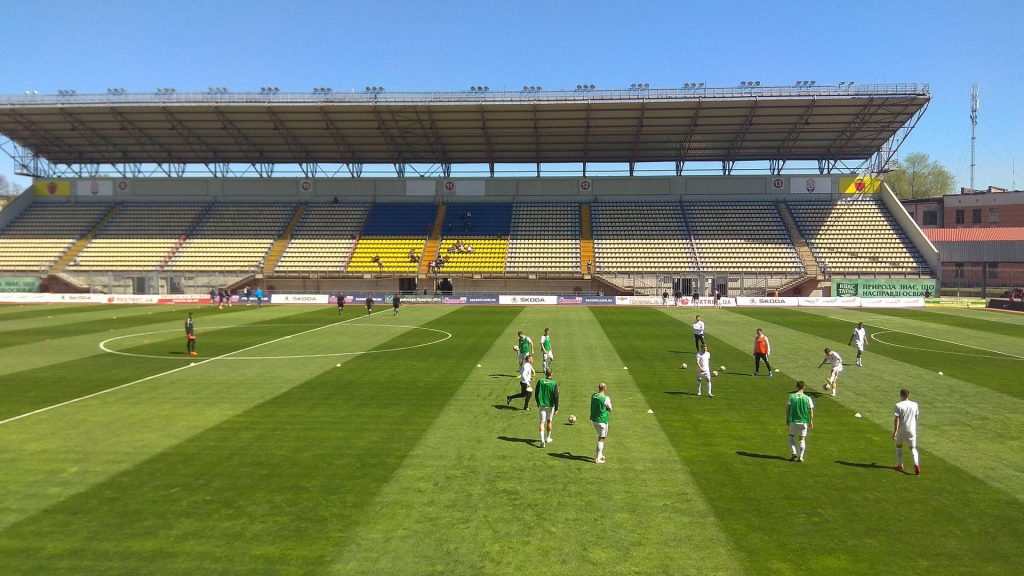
(586, 241)
(82, 242)
(799, 242)
(430, 251)
(279, 245)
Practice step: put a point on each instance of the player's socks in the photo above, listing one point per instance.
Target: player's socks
(803, 448)
(792, 446)
(709, 390)
(917, 461)
(899, 456)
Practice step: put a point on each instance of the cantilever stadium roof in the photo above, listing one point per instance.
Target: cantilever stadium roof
(655, 125)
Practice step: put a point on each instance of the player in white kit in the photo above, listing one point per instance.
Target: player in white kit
(904, 429)
(836, 361)
(704, 369)
(859, 338)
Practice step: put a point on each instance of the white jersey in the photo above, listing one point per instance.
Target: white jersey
(907, 412)
(860, 336)
(835, 360)
(698, 328)
(704, 362)
(526, 375)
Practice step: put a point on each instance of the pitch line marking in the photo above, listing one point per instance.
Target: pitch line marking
(1005, 356)
(447, 336)
(171, 371)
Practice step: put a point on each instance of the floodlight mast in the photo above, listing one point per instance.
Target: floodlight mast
(974, 125)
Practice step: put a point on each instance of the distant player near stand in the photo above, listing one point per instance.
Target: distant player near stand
(718, 299)
(341, 302)
(799, 419)
(190, 336)
(524, 346)
(762, 350)
(859, 338)
(698, 333)
(396, 301)
(526, 372)
(369, 305)
(600, 409)
(545, 345)
(904, 429)
(696, 299)
(836, 361)
(547, 403)
(704, 369)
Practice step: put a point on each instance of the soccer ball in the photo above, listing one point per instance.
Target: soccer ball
(715, 373)
(685, 366)
(516, 348)
(828, 386)
(722, 368)
(572, 419)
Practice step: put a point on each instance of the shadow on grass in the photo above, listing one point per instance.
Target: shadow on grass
(762, 456)
(529, 441)
(570, 456)
(677, 393)
(864, 465)
(503, 375)
(504, 407)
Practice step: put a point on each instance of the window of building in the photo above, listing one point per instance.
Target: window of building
(993, 270)
(976, 216)
(993, 215)
(959, 216)
(931, 218)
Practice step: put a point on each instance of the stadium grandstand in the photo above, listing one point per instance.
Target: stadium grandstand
(177, 192)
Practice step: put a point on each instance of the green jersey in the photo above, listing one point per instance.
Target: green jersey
(599, 408)
(545, 343)
(524, 346)
(546, 393)
(800, 406)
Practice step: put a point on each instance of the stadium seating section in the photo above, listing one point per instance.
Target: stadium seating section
(545, 237)
(233, 238)
(324, 238)
(138, 237)
(846, 237)
(741, 237)
(391, 232)
(43, 233)
(856, 237)
(639, 237)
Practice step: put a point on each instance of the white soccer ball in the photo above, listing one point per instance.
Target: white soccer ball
(940, 373)
(722, 368)
(649, 411)
(337, 365)
(715, 373)
(777, 370)
(685, 366)
(516, 348)
(828, 386)
(572, 419)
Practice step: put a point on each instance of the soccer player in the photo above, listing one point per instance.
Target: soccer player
(545, 345)
(547, 402)
(833, 358)
(762, 350)
(696, 299)
(718, 299)
(904, 429)
(860, 339)
(213, 297)
(704, 369)
(396, 301)
(259, 297)
(526, 372)
(525, 347)
(600, 408)
(341, 302)
(369, 305)
(799, 419)
(698, 333)
(190, 336)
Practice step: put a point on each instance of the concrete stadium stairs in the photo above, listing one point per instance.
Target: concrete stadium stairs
(433, 245)
(586, 241)
(278, 247)
(82, 242)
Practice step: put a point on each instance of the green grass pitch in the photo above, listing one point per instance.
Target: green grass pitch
(304, 442)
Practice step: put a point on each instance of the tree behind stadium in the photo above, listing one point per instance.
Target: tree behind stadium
(918, 176)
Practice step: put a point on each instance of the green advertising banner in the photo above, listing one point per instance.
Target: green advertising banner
(884, 288)
(19, 284)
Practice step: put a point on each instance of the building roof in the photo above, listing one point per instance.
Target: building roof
(639, 125)
(1008, 234)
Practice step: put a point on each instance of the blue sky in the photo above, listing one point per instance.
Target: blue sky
(91, 45)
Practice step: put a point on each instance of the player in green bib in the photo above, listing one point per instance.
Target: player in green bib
(524, 346)
(546, 398)
(545, 344)
(799, 419)
(600, 407)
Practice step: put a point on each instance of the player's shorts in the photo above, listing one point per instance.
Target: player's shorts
(860, 348)
(835, 374)
(704, 375)
(549, 356)
(190, 336)
(547, 414)
(602, 429)
(904, 438)
(796, 429)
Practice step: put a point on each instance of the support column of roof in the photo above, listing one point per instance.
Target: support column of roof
(355, 167)
(684, 146)
(255, 157)
(636, 136)
(846, 136)
(730, 162)
(309, 168)
(190, 138)
(787, 146)
(396, 159)
(487, 141)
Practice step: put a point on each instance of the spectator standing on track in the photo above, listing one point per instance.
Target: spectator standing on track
(259, 297)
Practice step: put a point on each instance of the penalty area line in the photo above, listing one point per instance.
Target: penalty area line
(172, 371)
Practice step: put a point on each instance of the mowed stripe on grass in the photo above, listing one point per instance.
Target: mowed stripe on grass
(836, 511)
(478, 494)
(272, 489)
